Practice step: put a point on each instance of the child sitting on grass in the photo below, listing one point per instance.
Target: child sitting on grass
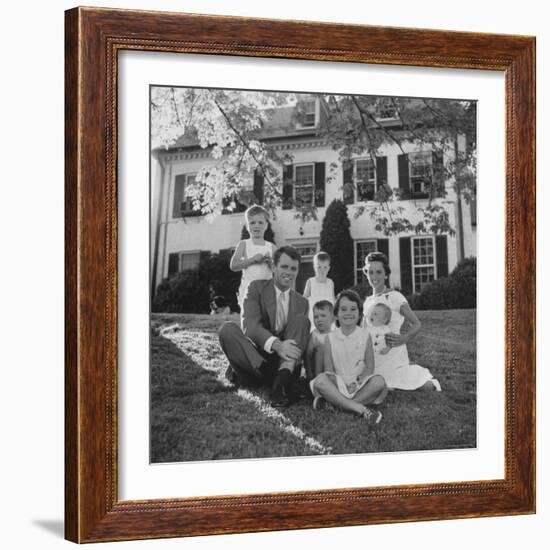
(323, 318)
(348, 380)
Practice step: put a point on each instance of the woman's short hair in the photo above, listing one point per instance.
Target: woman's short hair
(352, 296)
(377, 257)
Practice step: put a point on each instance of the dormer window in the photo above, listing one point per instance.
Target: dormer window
(309, 113)
(386, 110)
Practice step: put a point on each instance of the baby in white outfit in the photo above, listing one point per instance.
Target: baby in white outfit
(379, 318)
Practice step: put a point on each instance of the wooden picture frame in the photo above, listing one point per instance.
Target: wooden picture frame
(93, 511)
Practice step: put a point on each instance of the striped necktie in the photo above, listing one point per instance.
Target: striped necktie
(280, 321)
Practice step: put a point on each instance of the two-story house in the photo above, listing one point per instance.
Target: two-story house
(179, 233)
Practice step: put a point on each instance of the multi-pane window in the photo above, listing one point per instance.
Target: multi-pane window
(309, 116)
(365, 179)
(306, 250)
(386, 109)
(362, 250)
(423, 256)
(188, 260)
(233, 204)
(421, 172)
(181, 261)
(186, 203)
(303, 184)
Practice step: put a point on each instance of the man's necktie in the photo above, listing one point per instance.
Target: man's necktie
(280, 321)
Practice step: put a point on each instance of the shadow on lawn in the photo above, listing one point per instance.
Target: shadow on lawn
(195, 416)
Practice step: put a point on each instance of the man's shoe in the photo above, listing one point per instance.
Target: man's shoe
(279, 401)
(280, 394)
(300, 389)
(231, 377)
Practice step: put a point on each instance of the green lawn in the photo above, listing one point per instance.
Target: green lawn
(196, 415)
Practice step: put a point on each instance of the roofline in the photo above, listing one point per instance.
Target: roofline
(277, 139)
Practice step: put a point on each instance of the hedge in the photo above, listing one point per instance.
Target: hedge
(192, 290)
(457, 291)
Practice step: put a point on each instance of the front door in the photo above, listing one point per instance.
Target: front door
(307, 250)
(306, 271)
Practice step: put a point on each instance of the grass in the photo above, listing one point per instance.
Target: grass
(197, 415)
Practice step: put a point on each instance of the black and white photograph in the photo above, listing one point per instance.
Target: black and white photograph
(409, 132)
(313, 274)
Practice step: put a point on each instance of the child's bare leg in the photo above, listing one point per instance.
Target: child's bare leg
(309, 358)
(373, 392)
(318, 363)
(328, 389)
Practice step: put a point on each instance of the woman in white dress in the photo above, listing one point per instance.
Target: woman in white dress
(394, 365)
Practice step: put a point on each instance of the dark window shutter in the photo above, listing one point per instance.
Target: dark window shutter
(240, 206)
(179, 187)
(173, 263)
(348, 190)
(258, 187)
(288, 177)
(383, 245)
(319, 198)
(381, 171)
(438, 184)
(404, 179)
(441, 256)
(226, 201)
(405, 261)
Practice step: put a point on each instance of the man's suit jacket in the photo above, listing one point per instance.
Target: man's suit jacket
(260, 310)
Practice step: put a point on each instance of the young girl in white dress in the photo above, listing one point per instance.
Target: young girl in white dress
(348, 380)
(394, 365)
(253, 256)
(320, 287)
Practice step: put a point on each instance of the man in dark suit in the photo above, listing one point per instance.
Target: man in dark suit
(274, 331)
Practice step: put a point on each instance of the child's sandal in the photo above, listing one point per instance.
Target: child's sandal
(372, 416)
